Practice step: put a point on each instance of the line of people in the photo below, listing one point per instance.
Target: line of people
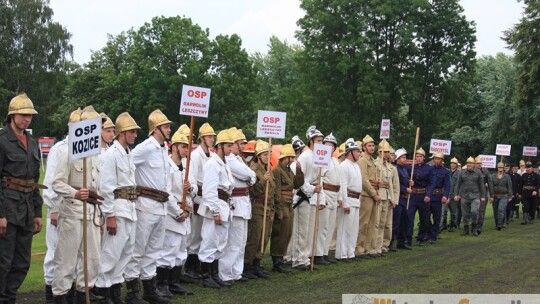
(152, 219)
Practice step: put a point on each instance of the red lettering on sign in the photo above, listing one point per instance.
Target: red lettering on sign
(196, 94)
(273, 120)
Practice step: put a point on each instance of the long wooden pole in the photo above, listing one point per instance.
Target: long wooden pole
(266, 195)
(413, 160)
(316, 224)
(85, 239)
(188, 162)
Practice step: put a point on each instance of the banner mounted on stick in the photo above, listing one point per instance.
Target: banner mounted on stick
(195, 101)
(322, 154)
(84, 138)
(503, 150)
(530, 151)
(385, 129)
(271, 124)
(440, 145)
(488, 161)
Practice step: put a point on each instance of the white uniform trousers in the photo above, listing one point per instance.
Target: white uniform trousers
(194, 238)
(327, 223)
(116, 252)
(231, 264)
(331, 238)
(214, 240)
(174, 252)
(347, 232)
(385, 212)
(302, 226)
(51, 238)
(69, 250)
(150, 232)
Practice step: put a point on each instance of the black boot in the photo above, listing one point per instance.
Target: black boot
(133, 293)
(326, 257)
(258, 271)
(191, 266)
(474, 230)
(103, 295)
(49, 299)
(249, 272)
(465, 230)
(116, 294)
(174, 282)
(215, 274)
(207, 279)
(318, 260)
(525, 219)
(60, 299)
(162, 279)
(393, 246)
(149, 292)
(279, 266)
(183, 278)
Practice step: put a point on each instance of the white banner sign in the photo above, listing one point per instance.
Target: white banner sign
(530, 151)
(195, 101)
(84, 138)
(489, 161)
(503, 150)
(271, 124)
(322, 154)
(440, 145)
(385, 129)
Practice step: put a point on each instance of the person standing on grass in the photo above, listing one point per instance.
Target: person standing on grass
(470, 191)
(530, 190)
(500, 194)
(349, 208)
(439, 197)
(118, 188)
(20, 200)
(68, 184)
(400, 220)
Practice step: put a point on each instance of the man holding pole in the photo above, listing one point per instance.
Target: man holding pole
(231, 265)
(305, 201)
(68, 183)
(152, 175)
(199, 157)
(264, 185)
(422, 190)
(370, 209)
(20, 207)
(118, 187)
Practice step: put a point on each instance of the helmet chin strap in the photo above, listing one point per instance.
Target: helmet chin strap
(165, 138)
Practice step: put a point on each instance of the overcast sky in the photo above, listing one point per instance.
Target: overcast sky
(253, 20)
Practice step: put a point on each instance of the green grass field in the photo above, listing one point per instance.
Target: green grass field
(496, 262)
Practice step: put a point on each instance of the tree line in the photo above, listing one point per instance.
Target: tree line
(412, 61)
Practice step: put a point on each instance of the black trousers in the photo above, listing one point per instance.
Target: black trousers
(15, 249)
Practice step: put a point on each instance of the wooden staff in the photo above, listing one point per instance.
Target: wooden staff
(85, 240)
(316, 227)
(413, 161)
(266, 194)
(188, 162)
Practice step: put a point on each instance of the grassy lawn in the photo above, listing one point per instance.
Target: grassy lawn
(496, 262)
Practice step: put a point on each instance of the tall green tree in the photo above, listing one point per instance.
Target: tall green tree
(34, 54)
(524, 40)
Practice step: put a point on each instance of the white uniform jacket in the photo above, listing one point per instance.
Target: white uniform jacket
(243, 177)
(311, 174)
(50, 198)
(331, 176)
(217, 175)
(350, 179)
(153, 167)
(117, 170)
(177, 181)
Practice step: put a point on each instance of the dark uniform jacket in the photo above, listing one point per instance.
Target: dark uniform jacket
(470, 184)
(442, 183)
(285, 181)
(516, 183)
(531, 182)
(17, 207)
(454, 176)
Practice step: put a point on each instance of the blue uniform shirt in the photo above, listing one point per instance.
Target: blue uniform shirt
(424, 177)
(442, 181)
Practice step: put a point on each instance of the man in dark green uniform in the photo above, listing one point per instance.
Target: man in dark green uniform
(20, 201)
